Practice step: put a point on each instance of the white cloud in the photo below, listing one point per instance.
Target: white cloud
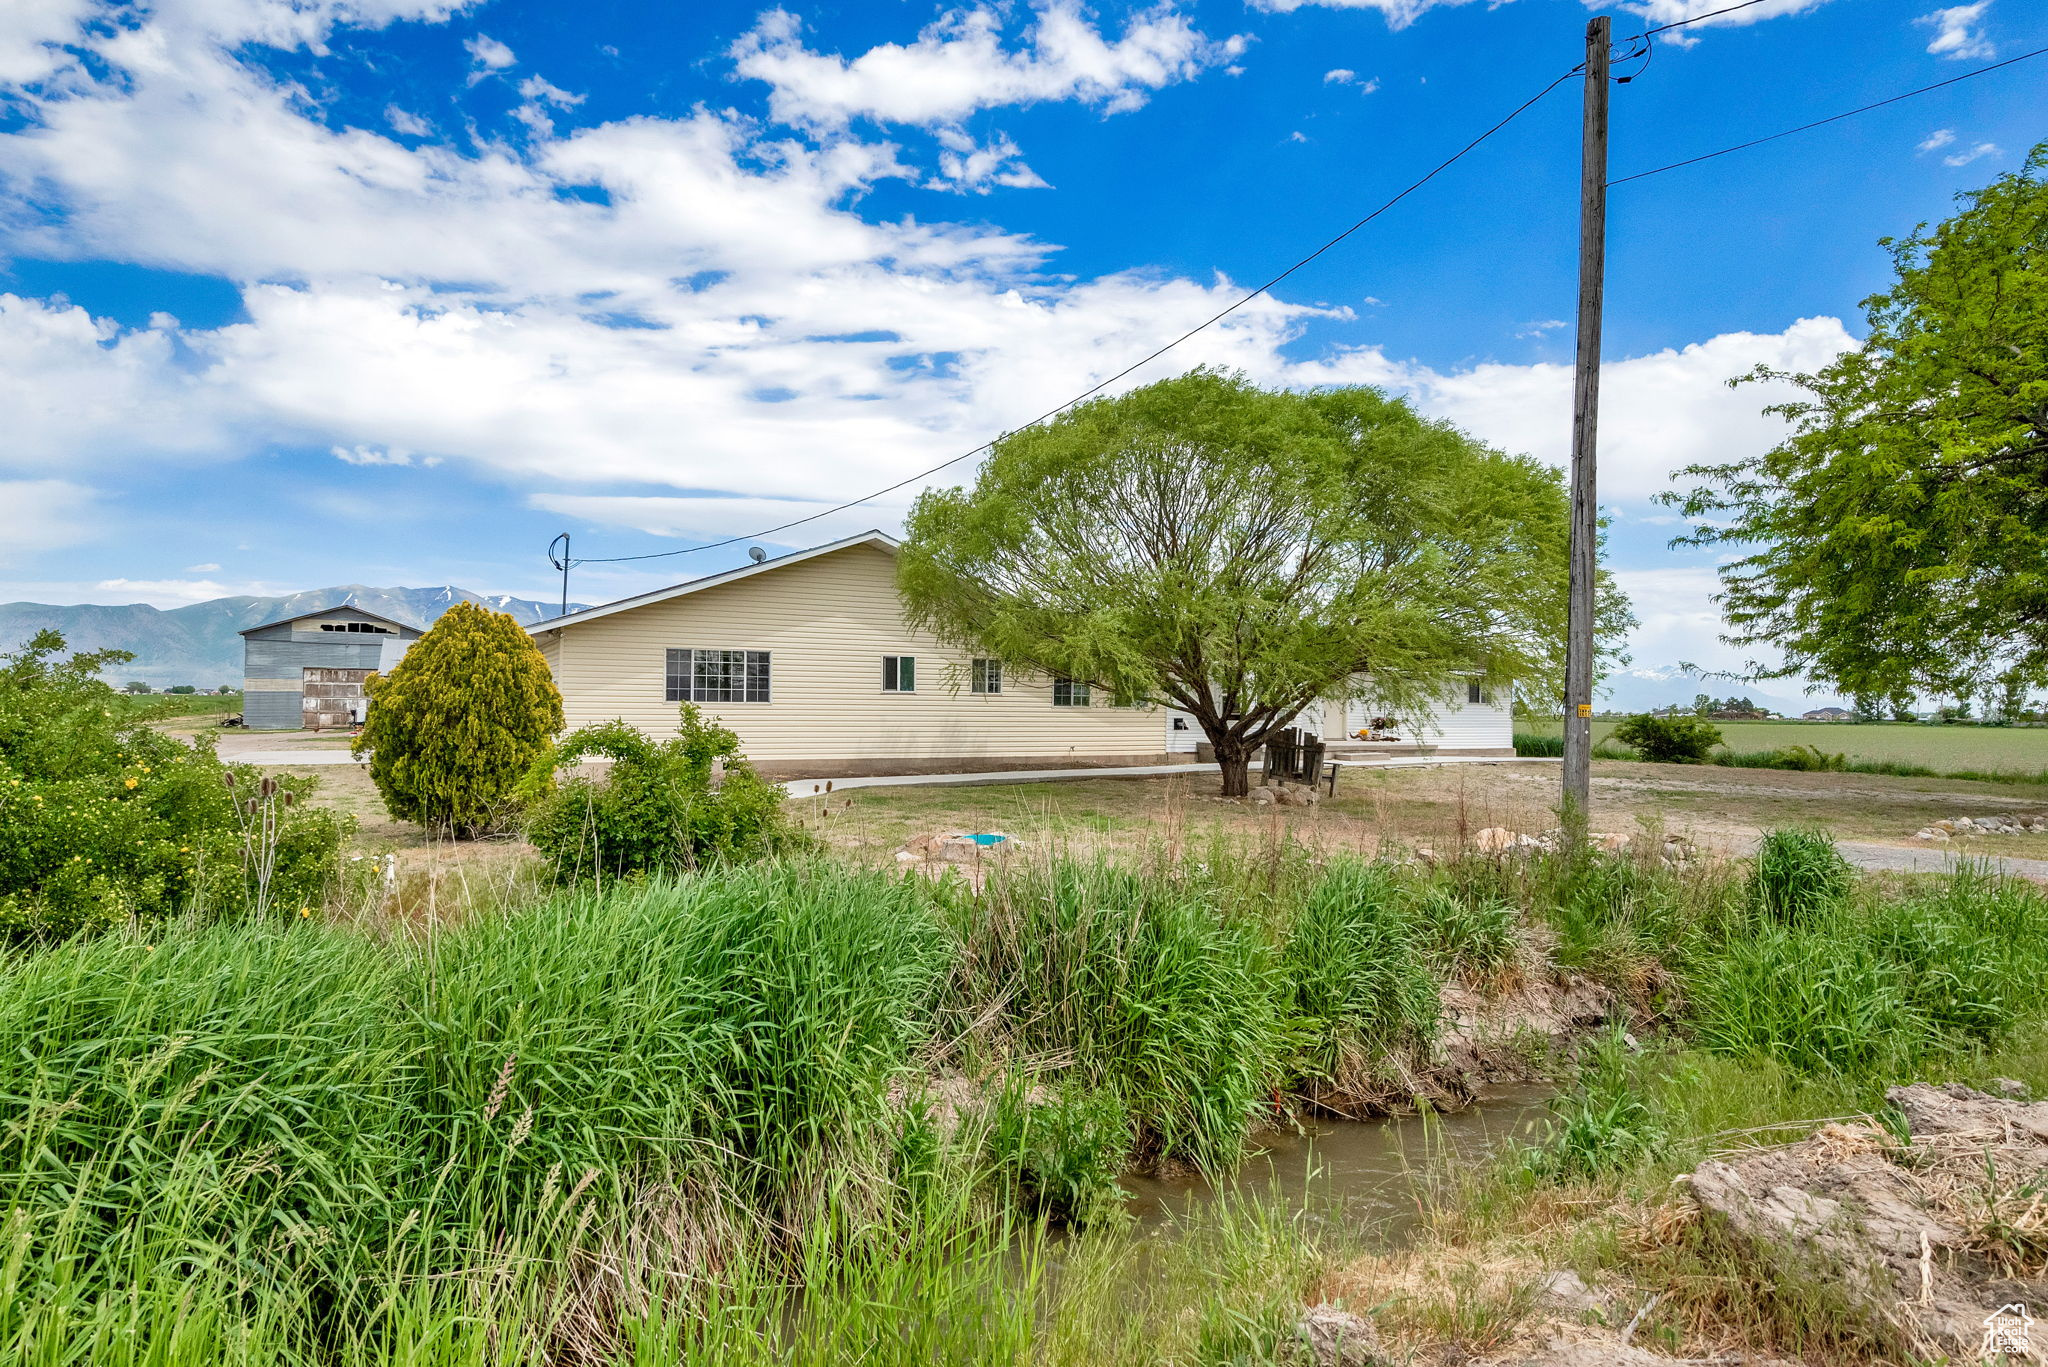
(1339, 76)
(960, 64)
(1399, 14)
(711, 315)
(43, 515)
(1970, 154)
(1655, 13)
(969, 166)
(715, 519)
(172, 593)
(202, 569)
(1658, 413)
(1938, 139)
(371, 455)
(409, 124)
(488, 54)
(1537, 329)
(1958, 34)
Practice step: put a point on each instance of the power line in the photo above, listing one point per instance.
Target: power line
(1100, 385)
(1696, 19)
(1832, 118)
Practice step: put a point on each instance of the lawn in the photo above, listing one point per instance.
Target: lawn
(1986, 749)
(1724, 809)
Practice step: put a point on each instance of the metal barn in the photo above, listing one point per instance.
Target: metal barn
(306, 672)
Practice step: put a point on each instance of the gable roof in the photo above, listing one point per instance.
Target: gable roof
(333, 608)
(880, 540)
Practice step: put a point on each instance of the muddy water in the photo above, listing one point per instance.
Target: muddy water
(1365, 1175)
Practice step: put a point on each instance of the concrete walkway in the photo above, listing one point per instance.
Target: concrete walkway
(277, 759)
(816, 787)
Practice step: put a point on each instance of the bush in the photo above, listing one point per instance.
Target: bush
(459, 721)
(1669, 740)
(103, 819)
(656, 811)
(1798, 875)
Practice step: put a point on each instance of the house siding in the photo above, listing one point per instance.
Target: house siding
(1455, 725)
(826, 623)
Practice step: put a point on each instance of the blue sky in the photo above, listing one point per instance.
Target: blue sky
(392, 291)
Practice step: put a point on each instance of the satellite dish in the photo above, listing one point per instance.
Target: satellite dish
(756, 554)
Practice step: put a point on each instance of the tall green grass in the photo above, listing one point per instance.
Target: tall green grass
(696, 1121)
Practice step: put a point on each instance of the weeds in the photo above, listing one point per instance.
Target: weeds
(1799, 876)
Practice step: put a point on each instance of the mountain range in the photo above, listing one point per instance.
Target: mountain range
(200, 644)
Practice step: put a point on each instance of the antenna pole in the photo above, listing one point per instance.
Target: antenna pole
(561, 561)
(1585, 530)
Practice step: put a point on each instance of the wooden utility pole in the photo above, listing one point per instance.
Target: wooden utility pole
(1578, 658)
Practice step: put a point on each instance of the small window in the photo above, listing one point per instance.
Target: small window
(718, 676)
(899, 673)
(1069, 693)
(1476, 694)
(985, 676)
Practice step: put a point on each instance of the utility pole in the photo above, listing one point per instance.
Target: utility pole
(558, 556)
(1578, 658)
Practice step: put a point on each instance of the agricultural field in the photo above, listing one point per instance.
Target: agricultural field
(1983, 749)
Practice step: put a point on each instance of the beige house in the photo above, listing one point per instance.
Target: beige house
(807, 657)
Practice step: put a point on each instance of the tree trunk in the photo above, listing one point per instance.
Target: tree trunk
(1235, 759)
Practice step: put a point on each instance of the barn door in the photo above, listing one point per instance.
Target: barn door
(329, 698)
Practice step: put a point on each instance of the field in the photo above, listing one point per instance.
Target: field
(1984, 749)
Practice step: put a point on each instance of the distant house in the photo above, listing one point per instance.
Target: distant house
(306, 672)
(808, 659)
(1827, 714)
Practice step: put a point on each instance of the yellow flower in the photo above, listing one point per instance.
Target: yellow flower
(128, 782)
(305, 911)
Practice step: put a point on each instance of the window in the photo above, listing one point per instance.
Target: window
(1069, 693)
(718, 676)
(1474, 693)
(985, 676)
(357, 626)
(899, 673)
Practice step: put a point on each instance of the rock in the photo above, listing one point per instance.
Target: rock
(1338, 1338)
(1898, 1227)
(1564, 1292)
(1613, 843)
(1930, 833)
(1493, 840)
(1944, 825)
(1964, 823)
(1263, 796)
(2010, 1087)
(1606, 1350)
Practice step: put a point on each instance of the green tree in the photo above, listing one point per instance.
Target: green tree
(1240, 553)
(459, 720)
(1900, 532)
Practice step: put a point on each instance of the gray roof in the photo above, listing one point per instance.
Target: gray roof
(334, 607)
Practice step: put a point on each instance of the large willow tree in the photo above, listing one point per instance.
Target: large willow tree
(1898, 537)
(1239, 553)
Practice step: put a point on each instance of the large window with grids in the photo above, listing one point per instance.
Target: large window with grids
(1069, 693)
(718, 676)
(986, 676)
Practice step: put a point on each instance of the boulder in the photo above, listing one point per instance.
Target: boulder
(1338, 1338)
(1263, 796)
(1930, 833)
(1493, 840)
(1564, 1292)
(1900, 1227)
